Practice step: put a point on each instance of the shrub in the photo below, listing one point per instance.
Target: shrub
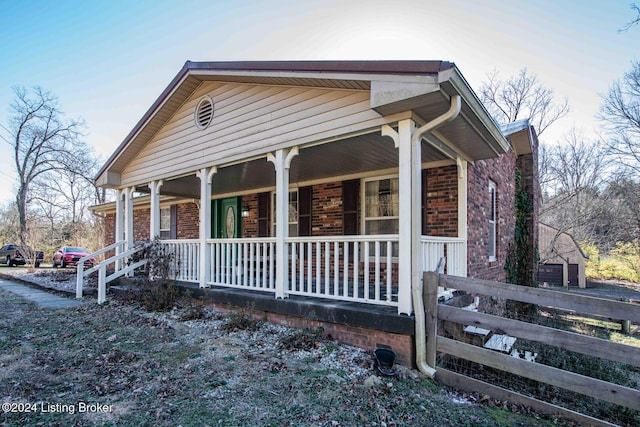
(159, 290)
(241, 321)
(305, 339)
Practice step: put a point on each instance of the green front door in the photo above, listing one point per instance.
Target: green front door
(227, 220)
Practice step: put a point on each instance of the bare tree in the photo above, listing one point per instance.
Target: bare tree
(575, 199)
(43, 141)
(634, 21)
(621, 115)
(522, 97)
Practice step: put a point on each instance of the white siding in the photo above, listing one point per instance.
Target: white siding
(249, 120)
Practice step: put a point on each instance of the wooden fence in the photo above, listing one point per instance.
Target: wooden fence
(584, 305)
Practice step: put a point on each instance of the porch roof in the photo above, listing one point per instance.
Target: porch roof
(422, 88)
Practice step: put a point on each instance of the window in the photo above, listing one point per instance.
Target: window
(293, 212)
(492, 221)
(381, 210)
(165, 223)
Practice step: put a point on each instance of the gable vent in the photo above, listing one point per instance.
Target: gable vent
(204, 112)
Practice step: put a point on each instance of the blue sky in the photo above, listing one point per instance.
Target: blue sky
(107, 61)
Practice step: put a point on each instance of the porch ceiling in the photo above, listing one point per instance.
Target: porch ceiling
(356, 155)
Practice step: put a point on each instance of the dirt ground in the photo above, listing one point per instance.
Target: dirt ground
(118, 365)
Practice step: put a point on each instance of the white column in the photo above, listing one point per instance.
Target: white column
(462, 211)
(206, 179)
(282, 162)
(128, 218)
(119, 231)
(409, 201)
(416, 215)
(154, 225)
(407, 194)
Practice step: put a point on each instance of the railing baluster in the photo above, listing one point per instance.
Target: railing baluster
(327, 264)
(252, 269)
(366, 271)
(336, 268)
(376, 295)
(272, 263)
(301, 284)
(310, 267)
(389, 270)
(345, 267)
(264, 265)
(318, 270)
(294, 262)
(356, 268)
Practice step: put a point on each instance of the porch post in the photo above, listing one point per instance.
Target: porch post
(128, 220)
(154, 225)
(206, 178)
(407, 195)
(282, 162)
(462, 212)
(119, 231)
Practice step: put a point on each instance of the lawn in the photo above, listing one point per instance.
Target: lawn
(117, 365)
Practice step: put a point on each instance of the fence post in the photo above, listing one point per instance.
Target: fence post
(102, 285)
(430, 298)
(79, 279)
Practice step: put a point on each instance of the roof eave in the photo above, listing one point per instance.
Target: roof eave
(489, 129)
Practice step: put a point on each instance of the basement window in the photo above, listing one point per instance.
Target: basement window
(204, 112)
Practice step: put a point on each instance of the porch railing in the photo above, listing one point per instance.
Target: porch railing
(243, 263)
(186, 258)
(351, 268)
(452, 249)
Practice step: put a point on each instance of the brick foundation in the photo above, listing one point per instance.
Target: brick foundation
(364, 338)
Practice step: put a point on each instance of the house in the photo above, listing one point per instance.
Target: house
(326, 186)
(562, 262)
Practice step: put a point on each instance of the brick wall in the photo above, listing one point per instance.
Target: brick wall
(528, 164)
(141, 219)
(109, 228)
(250, 223)
(188, 221)
(367, 339)
(442, 202)
(501, 171)
(326, 209)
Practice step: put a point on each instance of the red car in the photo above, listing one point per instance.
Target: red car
(68, 255)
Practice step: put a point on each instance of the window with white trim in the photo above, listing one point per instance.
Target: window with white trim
(293, 212)
(381, 210)
(165, 222)
(492, 221)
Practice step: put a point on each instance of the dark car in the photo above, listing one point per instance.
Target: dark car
(68, 255)
(20, 255)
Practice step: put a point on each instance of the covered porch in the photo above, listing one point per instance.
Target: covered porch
(282, 134)
(255, 234)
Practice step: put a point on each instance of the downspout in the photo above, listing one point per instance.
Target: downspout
(416, 282)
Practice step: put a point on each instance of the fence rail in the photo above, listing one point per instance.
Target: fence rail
(566, 340)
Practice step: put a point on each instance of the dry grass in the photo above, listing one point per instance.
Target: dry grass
(151, 369)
